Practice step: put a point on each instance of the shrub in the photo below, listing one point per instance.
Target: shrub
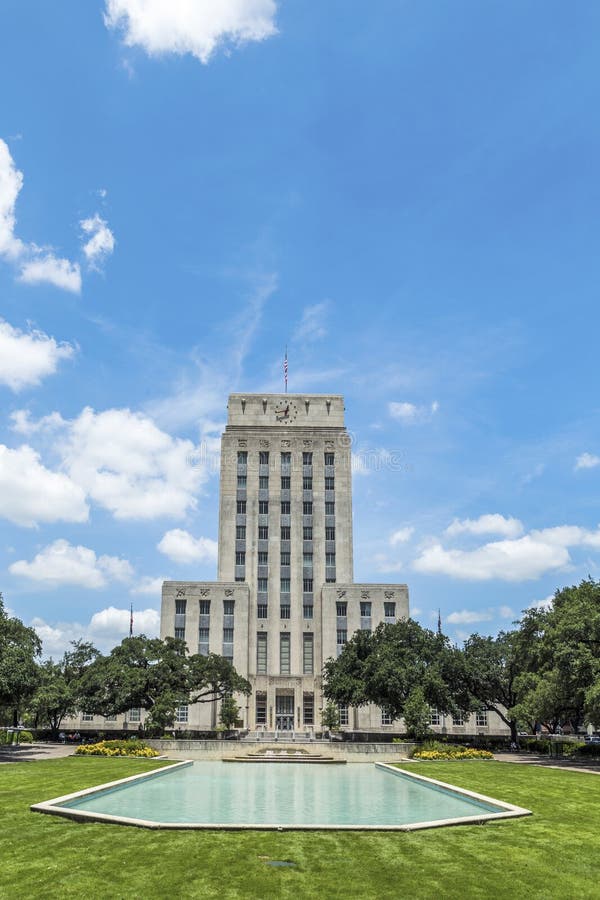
(453, 753)
(588, 750)
(25, 737)
(117, 748)
(537, 745)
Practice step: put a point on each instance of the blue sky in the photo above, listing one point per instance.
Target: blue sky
(407, 194)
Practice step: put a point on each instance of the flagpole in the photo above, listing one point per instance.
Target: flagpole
(131, 621)
(285, 369)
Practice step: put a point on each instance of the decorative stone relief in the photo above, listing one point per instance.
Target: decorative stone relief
(364, 595)
(263, 443)
(329, 445)
(389, 595)
(242, 443)
(229, 592)
(307, 443)
(180, 592)
(286, 443)
(204, 592)
(341, 593)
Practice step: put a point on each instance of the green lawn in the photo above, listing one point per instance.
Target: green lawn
(554, 853)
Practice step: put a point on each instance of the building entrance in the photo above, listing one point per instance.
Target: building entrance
(284, 713)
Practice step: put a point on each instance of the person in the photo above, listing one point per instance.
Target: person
(62, 737)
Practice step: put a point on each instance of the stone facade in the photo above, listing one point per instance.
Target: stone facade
(285, 598)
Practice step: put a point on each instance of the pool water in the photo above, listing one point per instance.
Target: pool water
(359, 794)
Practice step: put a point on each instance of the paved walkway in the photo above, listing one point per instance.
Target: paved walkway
(34, 752)
(592, 766)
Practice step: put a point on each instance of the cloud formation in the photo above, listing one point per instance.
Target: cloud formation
(30, 493)
(410, 413)
(26, 357)
(61, 563)
(100, 241)
(587, 461)
(198, 27)
(182, 547)
(106, 628)
(492, 523)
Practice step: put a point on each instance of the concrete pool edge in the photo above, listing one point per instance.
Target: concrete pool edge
(53, 807)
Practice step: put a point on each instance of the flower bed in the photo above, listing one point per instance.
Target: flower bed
(117, 748)
(452, 754)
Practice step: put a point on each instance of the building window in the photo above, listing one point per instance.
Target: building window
(307, 533)
(341, 610)
(181, 714)
(286, 459)
(434, 716)
(89, 717)
(228, 635)
(110, 718)
(242, 457)
(308, 709)
(329, 508)
(284, 654)
(307, 483)
(263, 532)
(365, 609)
(343, 711)
(285, 507)
(330, 578)
(285, 558)
(263, 584)
(285, 585)
(261, 709)
(203, 635)
(180, 634)
(263, 457)
(341, 637)
(307, 610)
(180, 607)
(481, 718)
(241, 481)
(458, 719)
(307, 654)
(329, 483)
(307, 585)
(285, 533)
(240, 558)
(228, 607)
(134, 715)
(284, 611)
(307, 560)
(263, 557)
(263, 482)
(329, 459)
(241, 507)
(386, 717)
(240, 532)
(285, 482)
(261, 653)
(261, 611)
(263, 507)
(307, 459)
(307, 508)
(205, 607)
(330, 533)
(330, 559)
(389, 610)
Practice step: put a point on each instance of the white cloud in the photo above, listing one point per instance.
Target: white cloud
(148, 585)
(100, 243)
(587, 461)
(468, 617)
(517, 560)
(106, 629)
(36, 264)
(506, 612)
(31, 493)
(22, 422)
(182, 547)
(28, 357)
(198, 27)
(61, 563)
(312, 325)
(546, 603)
(401, 536)
(383, 564)
(410, 413)
(126, 464)
(493, 523)
(50, 269)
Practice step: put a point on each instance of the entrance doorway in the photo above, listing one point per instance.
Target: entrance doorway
(284, 712)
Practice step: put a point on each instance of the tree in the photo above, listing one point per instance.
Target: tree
(387, 666)
(330, 717)
(229, 713)
(59, 692)
(156, 675)
(417, 715)
(19, 672)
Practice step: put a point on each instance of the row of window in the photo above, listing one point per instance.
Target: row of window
(481, 718)
(262, 611)
(285, 532)
(307, 482)
(181, 606)
(284, 558)
(308, 708)
(286, 458)
(366, 609)
(263, 508)
(135, 715)
(284, 653)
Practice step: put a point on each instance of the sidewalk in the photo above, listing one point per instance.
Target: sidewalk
(34, 752)
(591, 766)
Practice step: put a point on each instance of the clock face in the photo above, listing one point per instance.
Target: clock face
(285, 411)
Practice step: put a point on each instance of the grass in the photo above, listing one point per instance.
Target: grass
(554, 853)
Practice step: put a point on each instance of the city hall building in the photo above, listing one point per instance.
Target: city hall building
(284, 600)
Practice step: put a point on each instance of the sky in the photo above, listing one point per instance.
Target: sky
(406, 193)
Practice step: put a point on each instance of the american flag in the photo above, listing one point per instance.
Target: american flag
(285, 369)
(131, 621)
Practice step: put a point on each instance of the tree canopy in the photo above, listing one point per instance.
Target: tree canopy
(19, 673)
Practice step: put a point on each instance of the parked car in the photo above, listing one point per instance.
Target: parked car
(592, 738)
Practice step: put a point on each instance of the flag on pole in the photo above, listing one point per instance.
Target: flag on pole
(131, 621)
(285, 369)
(439, 621)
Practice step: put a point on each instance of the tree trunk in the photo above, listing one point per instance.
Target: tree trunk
(514, 737)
